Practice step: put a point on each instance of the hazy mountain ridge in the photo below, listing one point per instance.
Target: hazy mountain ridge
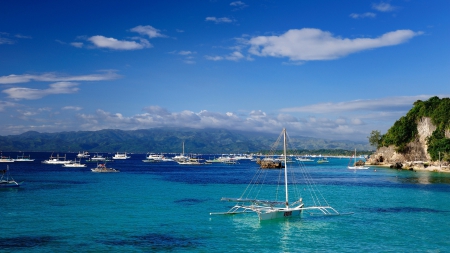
(167, 140)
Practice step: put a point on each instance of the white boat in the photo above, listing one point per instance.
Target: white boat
(23, 158)
(74, 164)
(97, 158)
(56, 160)
(355, 166)
(101, 168)
(120, 156)
(304, 159)
(191, 161)
(279, 208)
(4, 159)
(6, 181)
(152, 157)
(323, 160)
(181, 157)
(83, 154)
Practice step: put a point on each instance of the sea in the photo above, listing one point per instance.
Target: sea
(165, 207)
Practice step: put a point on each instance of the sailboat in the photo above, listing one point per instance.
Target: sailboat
(181, 157)
(355, 164)
(279, 209)
(6, 180)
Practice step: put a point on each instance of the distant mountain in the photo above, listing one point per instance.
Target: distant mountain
(165, 140)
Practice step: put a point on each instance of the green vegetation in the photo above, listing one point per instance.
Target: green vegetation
(404, 130)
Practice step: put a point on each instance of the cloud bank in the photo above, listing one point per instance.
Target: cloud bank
(53, 77)
(310, 44)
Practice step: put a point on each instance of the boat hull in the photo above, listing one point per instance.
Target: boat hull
(279, 214)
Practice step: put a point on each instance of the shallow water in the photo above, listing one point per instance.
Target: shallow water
(165, 207)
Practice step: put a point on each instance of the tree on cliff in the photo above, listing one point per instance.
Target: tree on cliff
(375, 138)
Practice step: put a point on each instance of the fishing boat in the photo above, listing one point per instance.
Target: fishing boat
(74, 164)
(323, 160)
(357, 165)
(191, 161)
(83, 154)
(101, 168)
(304, 159)
(6, 181)
(181, 157)
(96, 158)
(56, 160)
(120, 156)
(250, 201)
(5, 159)
(23, 158)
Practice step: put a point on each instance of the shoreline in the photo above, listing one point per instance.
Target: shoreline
(431, 168)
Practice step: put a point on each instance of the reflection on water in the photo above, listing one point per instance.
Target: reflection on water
(424, 178)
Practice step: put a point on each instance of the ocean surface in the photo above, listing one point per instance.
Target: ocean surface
(159, 207)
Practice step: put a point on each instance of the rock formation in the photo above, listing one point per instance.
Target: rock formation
(416, 150)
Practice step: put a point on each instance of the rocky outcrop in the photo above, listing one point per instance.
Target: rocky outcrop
(416, 150)
(269, 164)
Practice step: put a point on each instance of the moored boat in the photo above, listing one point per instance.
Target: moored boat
(101, 168)
(120, 156)
(6, 181)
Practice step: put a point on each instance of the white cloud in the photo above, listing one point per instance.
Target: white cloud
(388, 103)
(219, 20)
(52, 77)
(383, 7)
(214, 58)
(55, 88)
(237, 3)
(235, 56)
(310, 44)
(6, 41)
(112, 43)
(6, 104)
(77, 44)
(148, 30)
(20, 36)
(74, 108)
(364, 15)
(185, 53)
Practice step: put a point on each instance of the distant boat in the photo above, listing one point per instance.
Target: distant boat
(56, 160)
(191, 161)
(304, 159)
(97, 158)
(6, 181)
(181, 157)
(23, 158)
(120, 156)
(101, 168)
(152, 157)
(323, 160)
(5, 159)
(357, 165)
(74, 164)
(83, 154)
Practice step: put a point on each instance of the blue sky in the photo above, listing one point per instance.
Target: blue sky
(325, 69)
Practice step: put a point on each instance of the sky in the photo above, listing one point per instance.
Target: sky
(325, 69)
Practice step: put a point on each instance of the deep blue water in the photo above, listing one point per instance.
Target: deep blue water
(151, 207)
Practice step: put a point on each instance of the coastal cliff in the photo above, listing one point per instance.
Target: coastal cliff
(419, 140)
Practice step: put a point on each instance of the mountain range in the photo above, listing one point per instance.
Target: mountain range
(165, 140)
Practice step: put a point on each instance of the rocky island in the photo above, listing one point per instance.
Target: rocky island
(418, 141)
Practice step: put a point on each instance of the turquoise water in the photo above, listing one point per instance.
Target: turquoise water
(165, 207)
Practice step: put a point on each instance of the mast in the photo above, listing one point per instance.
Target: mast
(285, 168)
(183, 148)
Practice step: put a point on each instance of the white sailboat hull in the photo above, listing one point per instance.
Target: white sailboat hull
(279, 213)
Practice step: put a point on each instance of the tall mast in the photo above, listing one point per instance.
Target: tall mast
(285, 168)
